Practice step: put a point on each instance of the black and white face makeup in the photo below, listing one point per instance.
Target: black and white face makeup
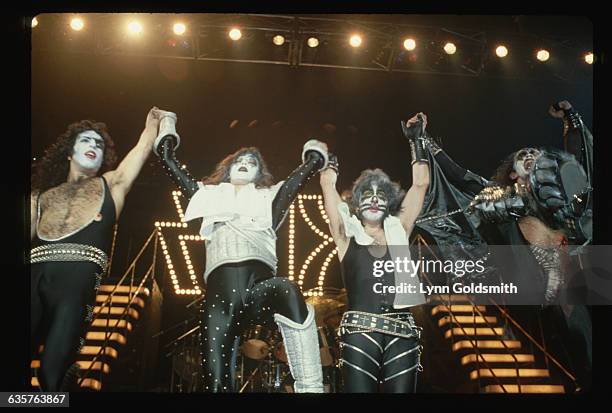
(88, 151)
(373, 203)
(524, 160)
(244, 170)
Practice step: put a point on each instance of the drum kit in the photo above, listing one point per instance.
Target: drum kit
(262, 360)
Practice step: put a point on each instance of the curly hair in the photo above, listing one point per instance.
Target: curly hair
(53, 168)
(393, 190)
(221, 173)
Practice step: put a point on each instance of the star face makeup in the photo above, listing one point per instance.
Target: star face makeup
(88, 150)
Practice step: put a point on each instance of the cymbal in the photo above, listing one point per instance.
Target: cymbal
(325, 308)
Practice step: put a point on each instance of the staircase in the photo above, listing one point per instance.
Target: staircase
(114, 320)
(118, 313)
(495, 360)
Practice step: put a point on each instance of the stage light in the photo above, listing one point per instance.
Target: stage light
(77, 24)
(278, 40)
(34, 22)
(543, 55)
(409, 44)
(501, 51)
(135, 27)
(589, 58)
(179, 29)
(450, 48)
(313, 42)
(355, 41)
(235, 34)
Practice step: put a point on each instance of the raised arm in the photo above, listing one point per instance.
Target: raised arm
(121, 179)
(179, 174)
(165, 148)
(315, 158)
(332, 199)
(577, 139)
(412, 204)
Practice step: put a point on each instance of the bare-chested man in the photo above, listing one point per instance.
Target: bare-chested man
(76, 199)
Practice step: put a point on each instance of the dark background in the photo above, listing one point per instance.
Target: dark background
(480, 120)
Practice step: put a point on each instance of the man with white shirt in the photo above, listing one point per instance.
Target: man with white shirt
(241, 211)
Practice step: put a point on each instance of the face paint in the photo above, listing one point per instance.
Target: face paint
(244, 170)
(88, 150)
(524, 160)
(373, 204)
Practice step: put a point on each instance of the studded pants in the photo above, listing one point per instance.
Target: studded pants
(62, 298)
(239, 296)
(375, 362)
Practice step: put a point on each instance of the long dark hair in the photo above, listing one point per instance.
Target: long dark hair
(393, 190)
(221, 173)
(501, 176)
(53, 168)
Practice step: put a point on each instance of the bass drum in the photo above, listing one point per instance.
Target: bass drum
(257, 342)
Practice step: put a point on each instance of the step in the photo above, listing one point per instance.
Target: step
(466, 319)
(498, 358)
(525, 388)
(87, 383)
(104, 322)
(488, 344)
(83, 365)
(116, 310)
(522, 372)
(123, 289)
(93, 350)
(457, 308)
(120, 299)
(470, 331)
(101, 336)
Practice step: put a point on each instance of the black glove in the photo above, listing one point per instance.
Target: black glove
(415, 135)
(333, 163)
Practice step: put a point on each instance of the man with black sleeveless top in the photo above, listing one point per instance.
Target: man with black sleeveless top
(76, 199)
(380, 341)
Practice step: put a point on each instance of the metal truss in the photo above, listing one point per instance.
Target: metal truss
(207, 41)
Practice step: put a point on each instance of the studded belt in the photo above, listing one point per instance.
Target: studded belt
(69, 252)
(395, 324)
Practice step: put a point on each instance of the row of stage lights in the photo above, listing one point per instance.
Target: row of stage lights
(134, 27)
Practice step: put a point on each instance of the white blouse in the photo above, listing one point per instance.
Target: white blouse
(236, 226)
(397, 242)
